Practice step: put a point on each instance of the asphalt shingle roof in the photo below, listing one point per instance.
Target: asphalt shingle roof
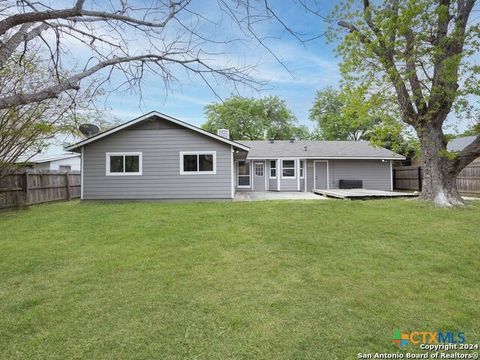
(460, 143)
(321, 149)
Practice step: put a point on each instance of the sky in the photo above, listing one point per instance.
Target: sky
(294, 72)
(310, 66)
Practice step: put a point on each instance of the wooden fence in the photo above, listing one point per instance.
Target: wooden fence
(410, 178)
(28, 188)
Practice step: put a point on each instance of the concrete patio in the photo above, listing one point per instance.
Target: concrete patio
(274, 195)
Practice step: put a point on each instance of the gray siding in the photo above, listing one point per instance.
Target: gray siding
(375, 174)
(160, 145)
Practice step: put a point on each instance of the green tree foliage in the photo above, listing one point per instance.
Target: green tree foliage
(353, 114)
(26, 129)
(254, 119)
(422, 55)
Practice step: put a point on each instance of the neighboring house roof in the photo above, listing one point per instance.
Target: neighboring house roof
(146, 117)
(318, 149)
(460, 143)
(43, 158)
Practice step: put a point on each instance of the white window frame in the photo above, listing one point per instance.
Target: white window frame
(249, 175)
(294, 169)
(255, 168)
(198, 172)
(301, 169)
(270, 169)
(107, 163)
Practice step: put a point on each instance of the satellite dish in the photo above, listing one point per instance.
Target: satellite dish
(89, 129)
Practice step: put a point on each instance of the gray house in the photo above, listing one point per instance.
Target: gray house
(156, 156)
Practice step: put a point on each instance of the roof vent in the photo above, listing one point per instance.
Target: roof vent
(225, 133)
(305, 148)
(271, 141)
(292, 140)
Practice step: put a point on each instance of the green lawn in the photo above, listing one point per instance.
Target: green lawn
(266, 280)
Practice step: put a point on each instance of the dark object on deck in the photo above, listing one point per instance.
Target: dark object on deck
(350, 184)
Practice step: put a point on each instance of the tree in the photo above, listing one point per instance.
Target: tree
(26, 129)
(254, 119)
(132, 38)
(422, 54)
(353, 114)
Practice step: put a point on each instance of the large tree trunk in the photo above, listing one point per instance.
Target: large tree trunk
(439, 183)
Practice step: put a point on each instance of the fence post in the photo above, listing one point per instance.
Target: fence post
(419, 170)
(67, 185)
(394, 175)
(22, 196)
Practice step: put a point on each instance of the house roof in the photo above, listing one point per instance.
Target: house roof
(460, 143)
(146, 117)
(318, 149)
(43, 158)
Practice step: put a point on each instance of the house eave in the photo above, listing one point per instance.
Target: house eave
(326, 157)
(78, 145)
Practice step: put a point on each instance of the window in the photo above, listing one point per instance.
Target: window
(288, 168)
(64, 167)
(302, 168)
(198, 162)
(258, 169)
(243, 173)
(273, 169)
(124, 163)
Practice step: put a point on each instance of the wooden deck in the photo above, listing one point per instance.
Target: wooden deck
(361, 194)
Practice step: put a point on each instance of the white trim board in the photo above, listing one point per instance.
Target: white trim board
(232, 173)
(82, 160)
(160, 115)
(391, 175)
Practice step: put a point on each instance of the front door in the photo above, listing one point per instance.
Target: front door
(321, 175)
(259, 176)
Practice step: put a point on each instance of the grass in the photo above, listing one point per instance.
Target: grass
(265, 280)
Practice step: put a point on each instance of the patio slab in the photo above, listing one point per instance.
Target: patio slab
(353, 194)
(274, 195)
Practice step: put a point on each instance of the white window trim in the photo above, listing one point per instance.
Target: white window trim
(255, 168)
(300, 168)
(270, 169)
(107, 164)
(198, 172)
(249, 175)
(294, 169)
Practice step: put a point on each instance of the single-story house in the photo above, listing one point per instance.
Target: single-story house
(156, 156)
(460, 143)
(58, 162)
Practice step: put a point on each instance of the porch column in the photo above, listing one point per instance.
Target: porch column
(297, 166)
(279, 171)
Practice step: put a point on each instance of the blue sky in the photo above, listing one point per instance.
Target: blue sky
(312, 66)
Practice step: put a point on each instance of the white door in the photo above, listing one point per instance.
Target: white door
(259, 176)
